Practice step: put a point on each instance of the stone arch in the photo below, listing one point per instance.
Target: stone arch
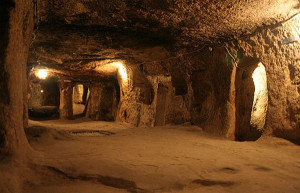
(251, 100)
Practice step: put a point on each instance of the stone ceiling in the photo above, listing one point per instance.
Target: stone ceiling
(76, 32)
(204, 20)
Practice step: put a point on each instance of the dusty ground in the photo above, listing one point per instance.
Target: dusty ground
(118, 158)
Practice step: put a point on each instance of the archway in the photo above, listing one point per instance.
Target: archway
(251, 100)
(78, 100)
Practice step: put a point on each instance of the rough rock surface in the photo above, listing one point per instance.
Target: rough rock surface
(164, 84)
(16, 21)
(283, 76)
(188, 21)
(16, 29)
(66, 99)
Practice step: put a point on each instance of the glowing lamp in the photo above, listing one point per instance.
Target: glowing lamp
(42, 74)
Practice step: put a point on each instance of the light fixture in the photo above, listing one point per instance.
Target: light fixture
(42, 73)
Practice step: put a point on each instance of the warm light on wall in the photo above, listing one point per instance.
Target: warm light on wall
(121, 70)
(260, 101)
(111, 68)
(42, 73)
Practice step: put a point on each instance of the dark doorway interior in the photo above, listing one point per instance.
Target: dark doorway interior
(160, 105)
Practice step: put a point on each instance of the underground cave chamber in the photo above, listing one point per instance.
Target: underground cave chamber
(149, 96)
(56, 97)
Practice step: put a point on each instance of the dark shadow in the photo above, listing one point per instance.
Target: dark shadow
(286, 134)
(44, 99)
(297, 6)
(162, 92)
(178, 82)
(106, 103)
(5, 6)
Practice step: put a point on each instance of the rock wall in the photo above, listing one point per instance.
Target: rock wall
(209, 86)
(278, 48)
(35, 97)
(102, 102)
(207, 89)
(150, 100)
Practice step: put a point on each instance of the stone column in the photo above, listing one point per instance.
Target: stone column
(15, 36)
(93, 106)
(66, 99)
(85, 93)
(230, 108)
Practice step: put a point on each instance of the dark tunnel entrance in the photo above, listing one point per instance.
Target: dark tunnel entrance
(162, 92)
(44, 99)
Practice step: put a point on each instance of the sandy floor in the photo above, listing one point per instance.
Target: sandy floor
(115, 158)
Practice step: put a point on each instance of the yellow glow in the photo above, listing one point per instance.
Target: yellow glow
(259, 79)
(113, 67)
(121, 70)
(260, 101)
(42, 74)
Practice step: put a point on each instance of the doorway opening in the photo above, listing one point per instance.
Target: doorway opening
(162, 92)
(44, 99)
(251, 100)
(79, 98)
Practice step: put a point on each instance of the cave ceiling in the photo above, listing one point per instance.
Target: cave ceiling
(73, 34)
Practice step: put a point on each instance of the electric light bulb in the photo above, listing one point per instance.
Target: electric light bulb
(42, 74)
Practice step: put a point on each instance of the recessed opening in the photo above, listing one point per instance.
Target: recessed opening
(251, 100)
(179, 83)
(162, 92)
(44, 99)
(79, 99)
(260, 101)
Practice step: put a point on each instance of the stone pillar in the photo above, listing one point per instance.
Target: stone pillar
(15, 35)
(85, 93)
(78, 93)
(93, 106)
(101, 101)
(66, 99)
(16, 21)
(230, 108)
